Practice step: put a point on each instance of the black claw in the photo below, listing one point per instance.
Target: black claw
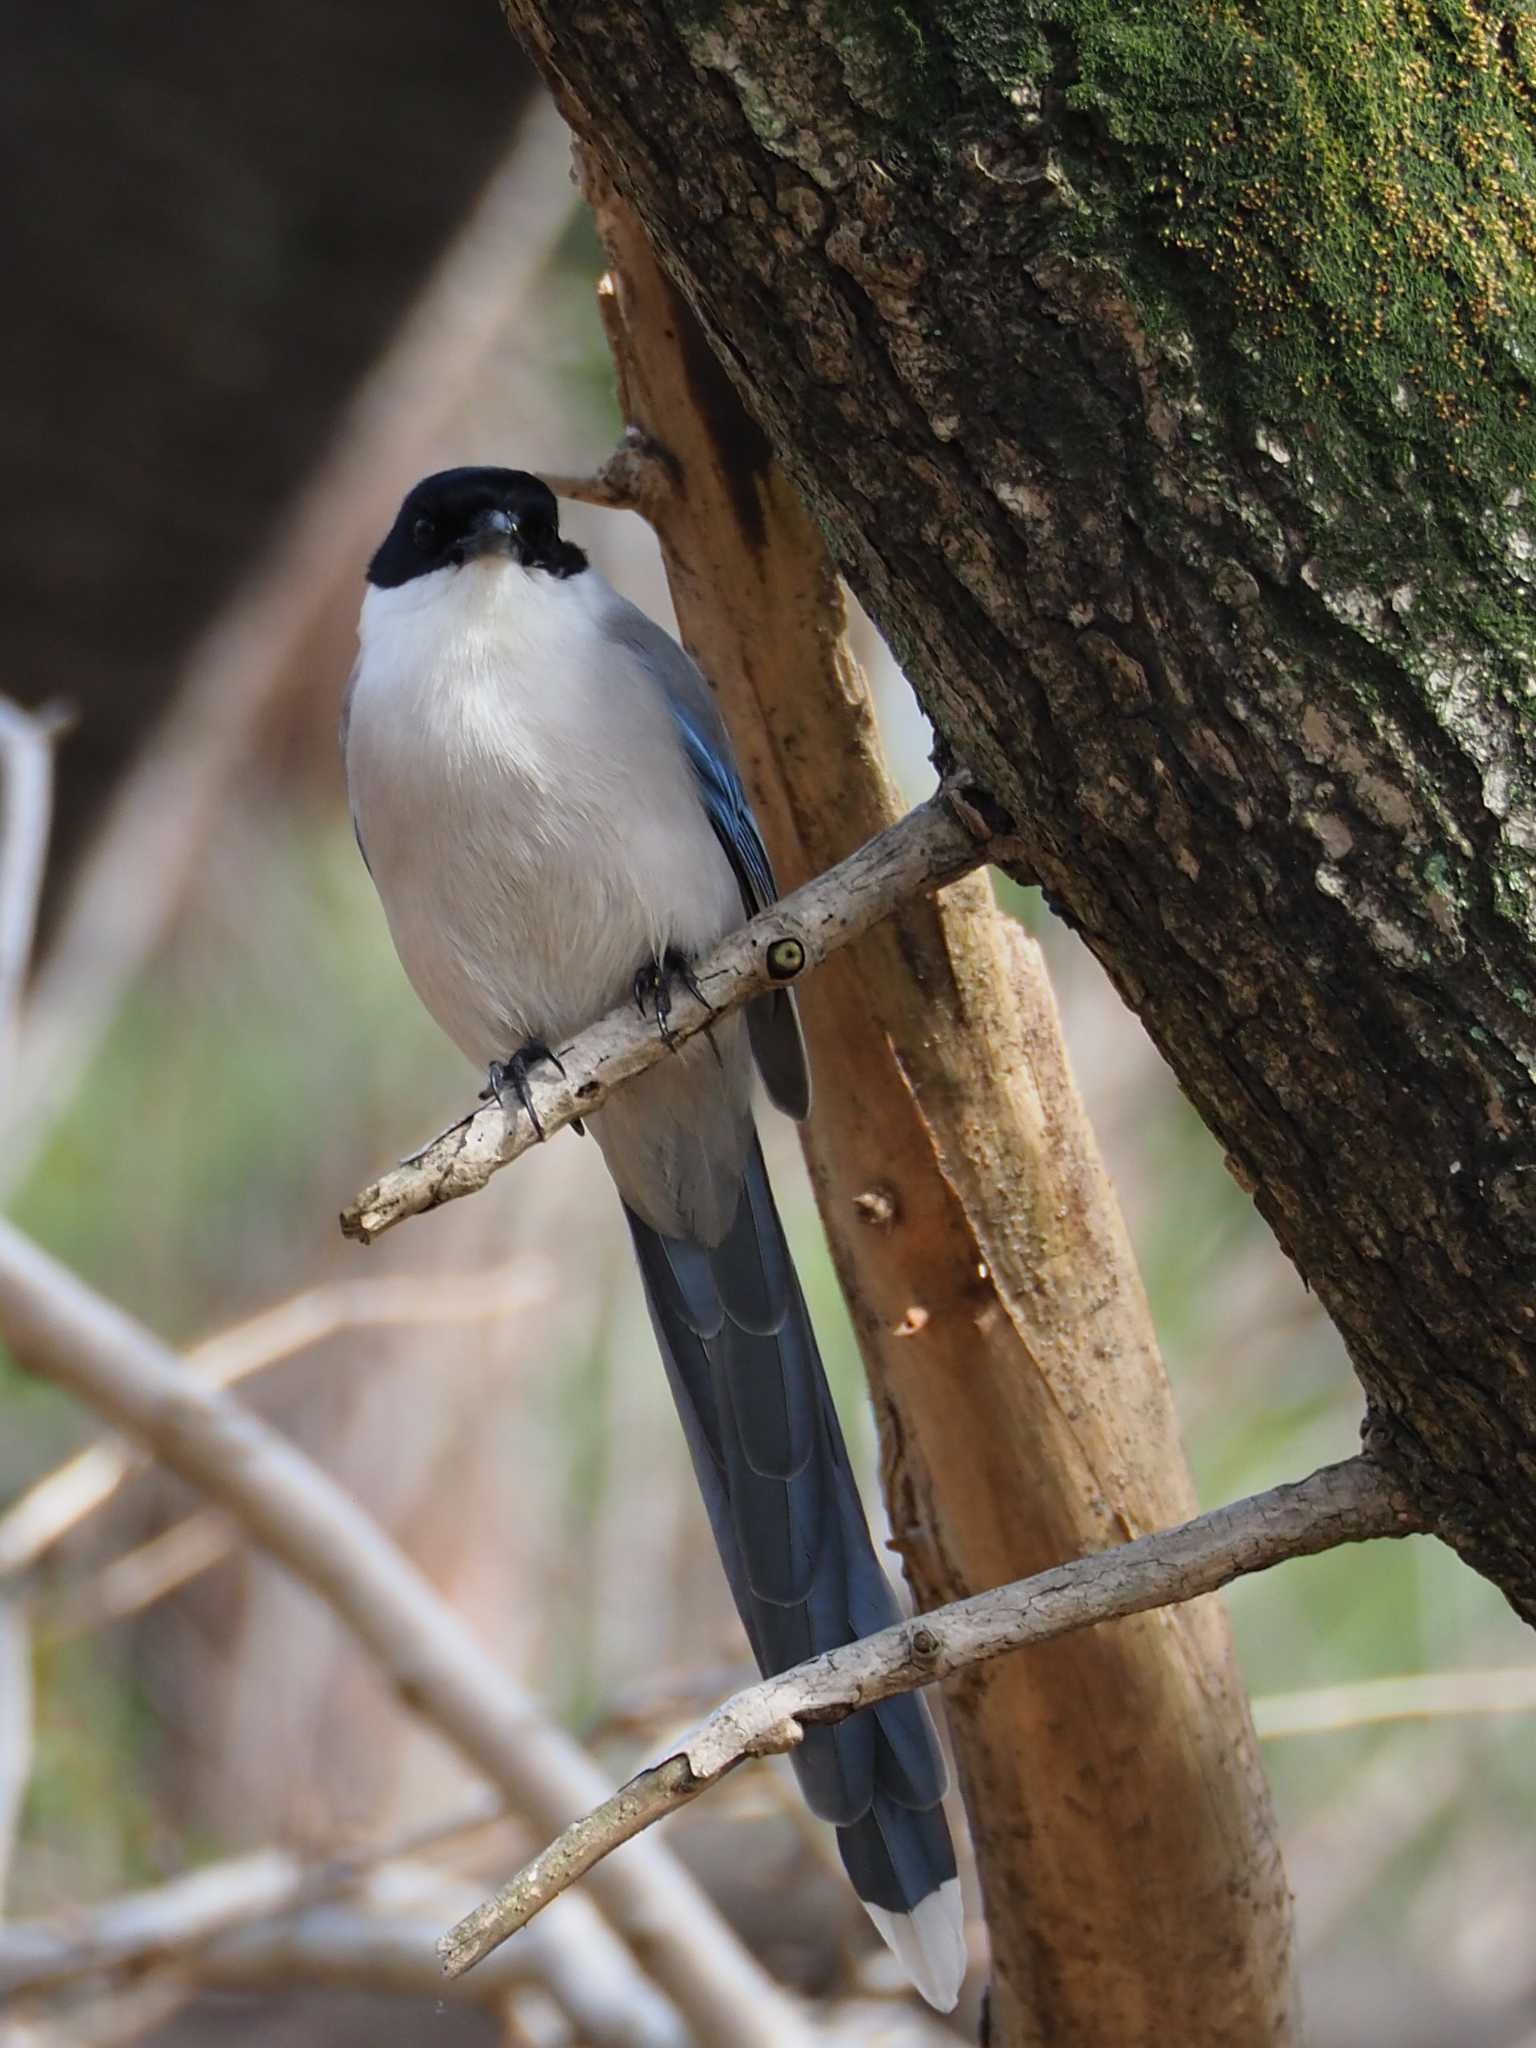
(511, 1077)
(653, 986)
(683, 969)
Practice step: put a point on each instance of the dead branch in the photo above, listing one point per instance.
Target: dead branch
(340, 1946)
(273, 1918)
(120, 2019)
(57, 1327)
(62, 1499)
(930, 846)
(627, 482)
(1414, 1696)
(139, 1577)
(15, 1726)
(1345, 1503)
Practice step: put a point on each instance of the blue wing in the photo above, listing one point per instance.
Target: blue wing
(773, 1022)
(729, 813)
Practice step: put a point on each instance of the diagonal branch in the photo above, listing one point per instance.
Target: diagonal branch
(1339, 1504)
(373, 1952)
(15, 1727)
(56, 1326)
(278, 1917)
(52, 1507)
(938, 842)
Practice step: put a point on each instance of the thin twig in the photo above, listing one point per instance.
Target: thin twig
(15, 1727)
(275, 1916)
(926, 848)
(136, 1928)
(58, 1502)
(57, 1327)
(1339, 1504)
(622, 1816)
(638, 475)
(26, 813)
(1416, 1696)
(340, 1946)
(120, 2019)
(136, 1579)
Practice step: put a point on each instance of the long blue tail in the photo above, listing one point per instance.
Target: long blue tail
(741, 1357)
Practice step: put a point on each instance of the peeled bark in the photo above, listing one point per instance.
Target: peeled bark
(1158, 381)
(1025, 1417)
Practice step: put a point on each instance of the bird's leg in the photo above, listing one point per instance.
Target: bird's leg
(510, 1077)
(653, 986)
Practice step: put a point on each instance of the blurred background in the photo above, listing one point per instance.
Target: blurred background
(267, 267)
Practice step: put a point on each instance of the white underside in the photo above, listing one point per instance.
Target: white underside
(535, 833)
(929, 1943)
(524, 802)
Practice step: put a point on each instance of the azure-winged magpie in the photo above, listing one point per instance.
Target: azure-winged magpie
(546, 797)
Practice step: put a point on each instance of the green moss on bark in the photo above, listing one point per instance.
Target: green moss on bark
(1337, 197)
(1355, 184)
(1351, 182)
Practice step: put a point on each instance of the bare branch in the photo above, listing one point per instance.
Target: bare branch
(634, 475)
(26, 813)
(15, 1727)
(135, 1579)
(623, 1815)
(273, 1918)
(1339, 1504)
(53, 1505)
(57, 1327)
(1415, 1696)
(928, 847)
(338, 1945)
(161, 1922)
(123, 2017)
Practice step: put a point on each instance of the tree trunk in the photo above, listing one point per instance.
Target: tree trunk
(1158, 382)
(1024, 1413)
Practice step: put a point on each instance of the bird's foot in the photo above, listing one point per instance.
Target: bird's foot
(654, 984)
(510, 1077)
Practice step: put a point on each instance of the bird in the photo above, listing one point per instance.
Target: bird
(545, 795)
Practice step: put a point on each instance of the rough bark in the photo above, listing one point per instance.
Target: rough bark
(1024, 1413)
(1159, 382)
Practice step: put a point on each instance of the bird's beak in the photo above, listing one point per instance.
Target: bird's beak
(493, 533)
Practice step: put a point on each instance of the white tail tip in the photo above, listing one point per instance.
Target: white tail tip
(929, 1943)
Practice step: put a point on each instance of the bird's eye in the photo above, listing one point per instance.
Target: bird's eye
(423, 533)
